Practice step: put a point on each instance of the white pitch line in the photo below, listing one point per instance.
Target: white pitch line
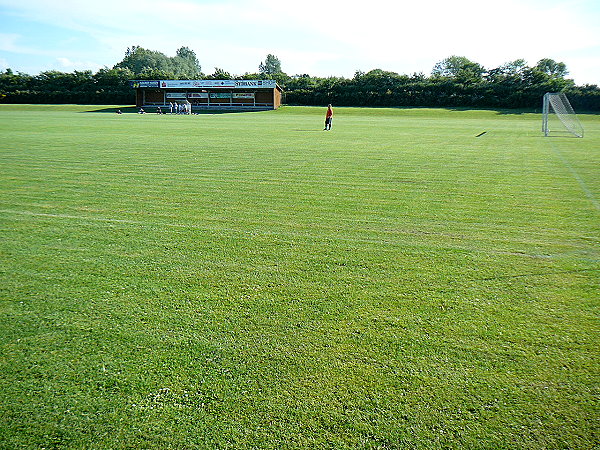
(68, 216)
(399, 238)
(589, 194)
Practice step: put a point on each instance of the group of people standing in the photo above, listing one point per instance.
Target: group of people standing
(174, 108)
(180, 108)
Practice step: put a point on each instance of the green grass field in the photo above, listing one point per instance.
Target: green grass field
(251, 281)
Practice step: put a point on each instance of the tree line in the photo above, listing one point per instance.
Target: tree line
(453, 82)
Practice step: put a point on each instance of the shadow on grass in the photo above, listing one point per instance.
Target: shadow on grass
(502, 112)
(513, 112)
(499, 111)
(153, 109)
(113, 110)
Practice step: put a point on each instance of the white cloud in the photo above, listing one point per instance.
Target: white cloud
(69, 65)
(413, 36)
(8, 43)
(333, 37)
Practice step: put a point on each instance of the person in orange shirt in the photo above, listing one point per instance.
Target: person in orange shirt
(328, 118)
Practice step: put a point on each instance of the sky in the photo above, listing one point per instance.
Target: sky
(316, 37)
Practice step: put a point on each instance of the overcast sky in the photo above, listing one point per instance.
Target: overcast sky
(318, 37)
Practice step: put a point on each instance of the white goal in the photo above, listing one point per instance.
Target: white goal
(556, 106)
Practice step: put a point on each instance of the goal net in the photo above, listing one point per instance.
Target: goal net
(558, 115)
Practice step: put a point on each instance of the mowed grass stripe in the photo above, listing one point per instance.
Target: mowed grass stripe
(399, 235)
(247, 280)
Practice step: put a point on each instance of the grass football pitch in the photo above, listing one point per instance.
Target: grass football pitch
(249, 280)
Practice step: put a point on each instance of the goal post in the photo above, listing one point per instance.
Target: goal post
(556, 106)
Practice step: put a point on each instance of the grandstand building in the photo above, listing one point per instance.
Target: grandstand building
(249, 95)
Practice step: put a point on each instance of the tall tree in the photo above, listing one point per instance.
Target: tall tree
(138, 59)
(458, 67)
(186, 62)
(552, 68)
(143, 62)
(270, 66)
